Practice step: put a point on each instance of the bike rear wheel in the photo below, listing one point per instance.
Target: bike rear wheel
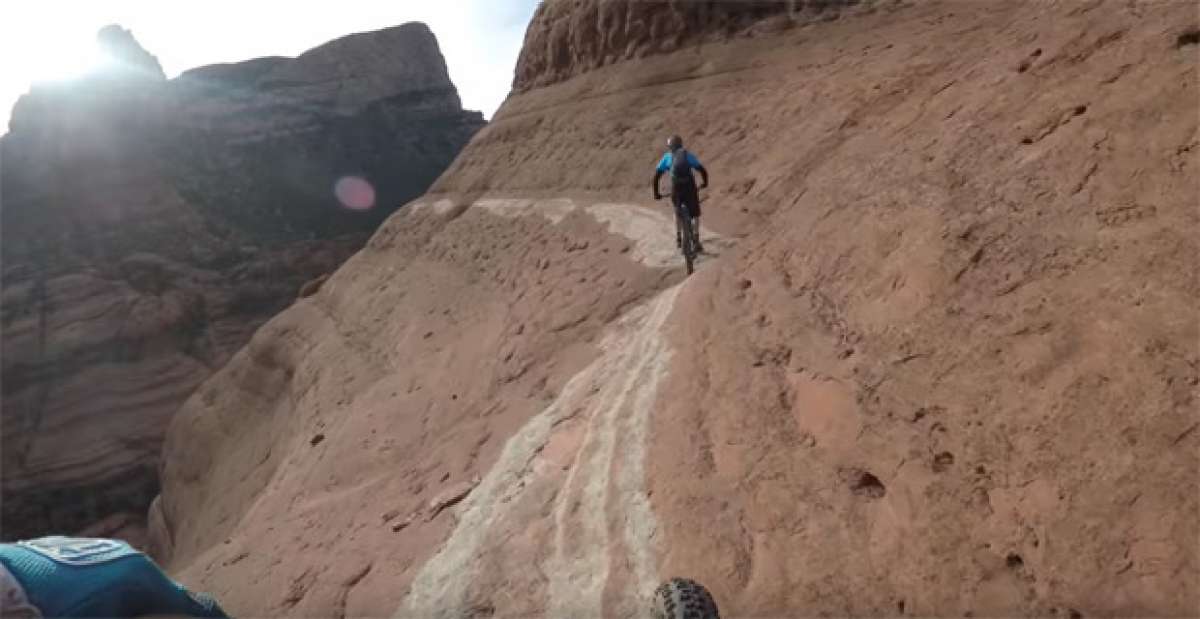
(689, 241)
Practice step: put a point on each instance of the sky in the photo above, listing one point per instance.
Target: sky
(46, 40)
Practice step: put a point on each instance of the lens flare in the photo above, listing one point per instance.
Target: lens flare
(354, 193)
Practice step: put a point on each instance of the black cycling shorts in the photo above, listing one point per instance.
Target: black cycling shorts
(686, 195)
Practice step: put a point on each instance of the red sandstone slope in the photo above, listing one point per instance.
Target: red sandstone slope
(944, 362)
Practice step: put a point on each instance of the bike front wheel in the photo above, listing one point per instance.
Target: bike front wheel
(682, 598)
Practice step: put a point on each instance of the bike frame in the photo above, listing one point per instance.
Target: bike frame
(687, 241)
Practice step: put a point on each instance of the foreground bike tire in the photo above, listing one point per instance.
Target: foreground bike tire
(681, 598)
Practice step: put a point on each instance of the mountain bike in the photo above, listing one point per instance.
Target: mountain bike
(687, 236)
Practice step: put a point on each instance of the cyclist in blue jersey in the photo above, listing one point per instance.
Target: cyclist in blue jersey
(680, 163)
(84, 577)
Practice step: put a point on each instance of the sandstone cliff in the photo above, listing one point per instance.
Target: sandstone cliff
(569, 38)
(941, 361)
(150, 226)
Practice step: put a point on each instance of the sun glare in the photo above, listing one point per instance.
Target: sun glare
(68, 62)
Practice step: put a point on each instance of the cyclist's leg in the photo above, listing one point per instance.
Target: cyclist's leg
(693, 207)
(677, 206)
(682, 222)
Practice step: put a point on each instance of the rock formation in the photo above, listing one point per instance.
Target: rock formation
(941, 361)
(569, 38)
(151, 225)
(125, 56)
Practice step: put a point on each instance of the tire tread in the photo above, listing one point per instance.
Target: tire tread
(683, 598)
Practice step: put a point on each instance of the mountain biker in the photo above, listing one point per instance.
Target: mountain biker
(84, 577)
(680, 163)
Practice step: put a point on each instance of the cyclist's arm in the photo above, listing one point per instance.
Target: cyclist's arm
(664, 164)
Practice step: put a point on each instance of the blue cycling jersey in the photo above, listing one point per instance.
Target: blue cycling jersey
(664, 164)
(82, 577)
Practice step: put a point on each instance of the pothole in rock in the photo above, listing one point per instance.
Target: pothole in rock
(865, 484)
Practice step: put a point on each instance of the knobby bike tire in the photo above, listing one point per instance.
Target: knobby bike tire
(689, 241)
(682, 598)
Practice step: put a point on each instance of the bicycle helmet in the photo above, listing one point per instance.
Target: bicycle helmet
(674, 142)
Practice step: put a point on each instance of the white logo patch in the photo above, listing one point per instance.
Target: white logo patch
(77, 550)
